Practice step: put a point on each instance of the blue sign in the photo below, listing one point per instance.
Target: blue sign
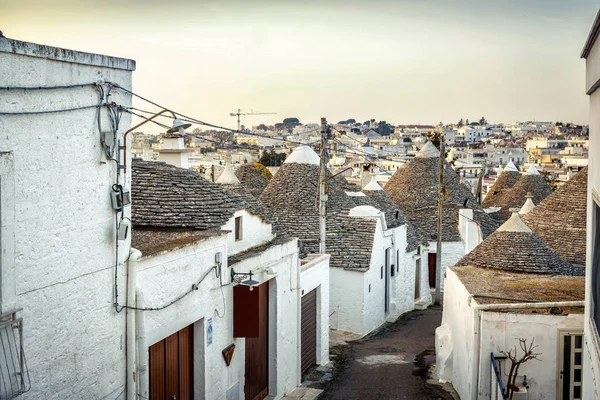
(209, 332)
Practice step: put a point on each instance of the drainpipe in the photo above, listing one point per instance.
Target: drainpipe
(298, 324)
(142, 353)
(479, 308)
(130, 353)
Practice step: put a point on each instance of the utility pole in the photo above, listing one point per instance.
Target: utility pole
(438, 256)
(479, 193)
(323, 187)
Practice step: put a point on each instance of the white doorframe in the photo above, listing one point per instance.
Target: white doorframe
(572, 372)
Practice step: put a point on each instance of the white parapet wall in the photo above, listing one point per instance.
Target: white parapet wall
(501, 330)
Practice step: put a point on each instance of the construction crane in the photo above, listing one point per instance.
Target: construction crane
(240, 112)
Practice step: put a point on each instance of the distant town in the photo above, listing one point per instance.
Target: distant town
(359, 150)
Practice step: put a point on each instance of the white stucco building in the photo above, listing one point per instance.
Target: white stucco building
(225, 233)
(101, 318)
(591, 358)
(511, 286)
(60, 267)
(370, 279)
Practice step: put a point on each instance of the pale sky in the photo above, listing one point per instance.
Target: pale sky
(419, 61)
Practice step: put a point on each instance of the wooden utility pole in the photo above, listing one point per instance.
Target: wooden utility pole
(323, 187)
(438, 255)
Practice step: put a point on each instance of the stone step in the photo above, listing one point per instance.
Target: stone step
(304, 393)
(421, 305)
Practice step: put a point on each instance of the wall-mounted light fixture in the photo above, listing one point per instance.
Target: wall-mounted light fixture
(238, 276)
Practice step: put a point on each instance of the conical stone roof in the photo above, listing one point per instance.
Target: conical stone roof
(506, 180)
(292, 195)
(254, 177)
(393, 216)
(165, 196)
(528, 206)
(516, 248)
(516, 197)
(414, 187)
(228, 177)
(560, 220)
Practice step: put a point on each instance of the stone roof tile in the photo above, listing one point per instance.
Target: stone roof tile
(560, 219)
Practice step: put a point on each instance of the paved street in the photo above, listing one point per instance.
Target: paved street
(391, 364)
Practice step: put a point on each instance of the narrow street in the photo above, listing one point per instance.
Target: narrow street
(392, 363)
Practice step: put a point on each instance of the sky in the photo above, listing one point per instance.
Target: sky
(402, 61)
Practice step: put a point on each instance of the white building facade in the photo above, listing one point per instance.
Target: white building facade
(58, 226)
(591, 359)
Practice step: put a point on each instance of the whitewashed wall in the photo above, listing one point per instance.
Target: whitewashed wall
(58, 229)
(457, 317)
(591, 359)
(501, 330)
(403, 282)
(452, 252)
(374, 311)
(497, 330)
(315, 275)
(254, 232)
(162, 277)
(410, 260)
(346, 299)
(284, 303)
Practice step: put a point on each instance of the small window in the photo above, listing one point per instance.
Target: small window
(382, 272)
(398, 261)
(392, 270)
(418, 250)
(238, 228)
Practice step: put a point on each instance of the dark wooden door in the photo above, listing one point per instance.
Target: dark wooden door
(309, 330)
(432, 269)
(418, 279)
(257, 351)
(172, 366)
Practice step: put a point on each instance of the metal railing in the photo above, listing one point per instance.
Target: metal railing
(14, 376)
(498, 390)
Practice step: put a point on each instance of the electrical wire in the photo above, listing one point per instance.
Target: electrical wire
(50, 111)
(186, 118)
(170, 303)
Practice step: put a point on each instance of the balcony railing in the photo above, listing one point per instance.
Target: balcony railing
(14, 376)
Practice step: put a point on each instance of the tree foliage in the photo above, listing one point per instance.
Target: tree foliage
(272, 159)
(435, 138)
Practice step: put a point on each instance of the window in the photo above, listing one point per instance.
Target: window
(596, 266)
(398, 261)
(381, 272)
(238, 228)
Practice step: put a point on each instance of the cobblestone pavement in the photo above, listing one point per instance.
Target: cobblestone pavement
(392, 363)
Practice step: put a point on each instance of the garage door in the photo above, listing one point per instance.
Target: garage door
(309, 330)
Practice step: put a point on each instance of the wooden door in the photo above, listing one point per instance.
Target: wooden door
(418, 279)
(257, 351)
(570, 365)
(172, 367)
(309, 331)
(432, 261)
